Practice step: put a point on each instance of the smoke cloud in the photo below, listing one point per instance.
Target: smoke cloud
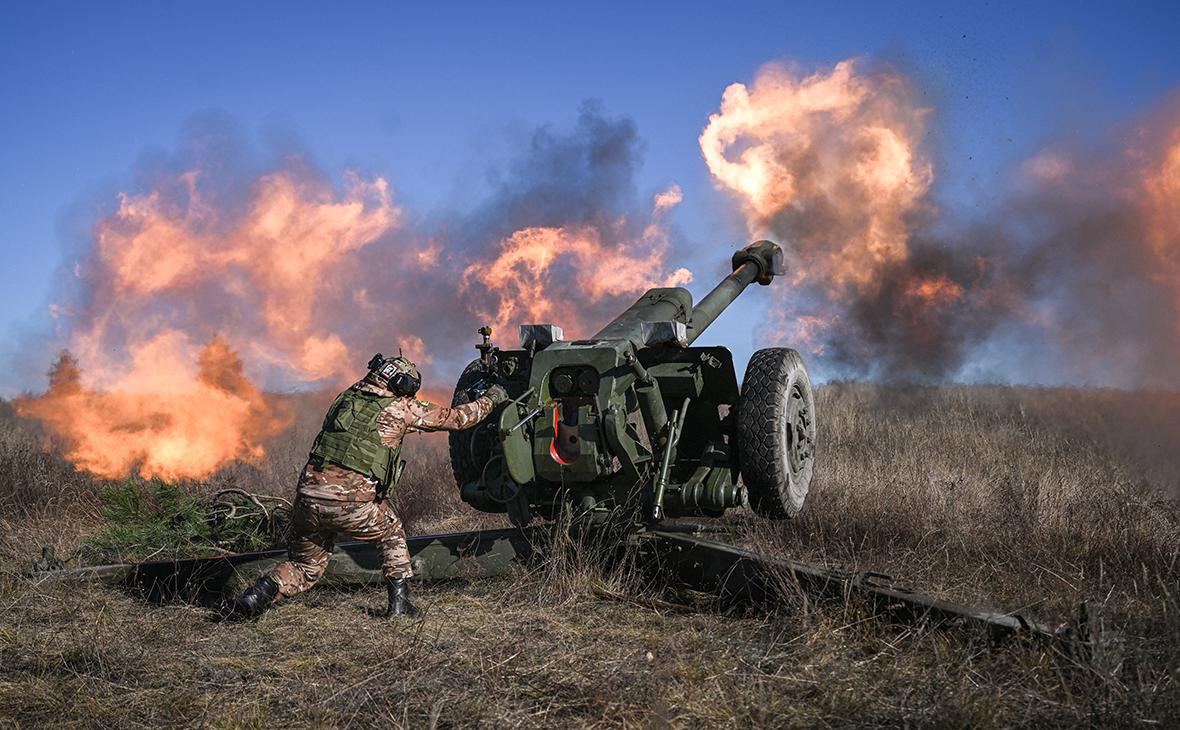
(227, 272)
(566, 219)
(1072, 279)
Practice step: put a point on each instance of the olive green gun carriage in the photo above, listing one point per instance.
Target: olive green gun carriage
(637, 420)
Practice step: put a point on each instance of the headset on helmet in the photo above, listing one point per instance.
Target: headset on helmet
(398, 373)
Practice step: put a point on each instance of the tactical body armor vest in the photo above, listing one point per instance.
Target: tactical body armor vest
(349, 438)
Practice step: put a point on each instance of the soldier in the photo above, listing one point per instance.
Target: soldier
(343, 490)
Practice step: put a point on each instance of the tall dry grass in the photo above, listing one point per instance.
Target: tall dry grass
(1035, 497)
(1019, 497)
(43, 499)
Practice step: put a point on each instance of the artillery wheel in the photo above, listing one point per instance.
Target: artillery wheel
(776, 432)
(470, 449)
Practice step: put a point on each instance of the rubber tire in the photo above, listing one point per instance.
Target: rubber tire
(777, 475)
(459, 442)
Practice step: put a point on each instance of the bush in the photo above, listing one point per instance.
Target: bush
(159, 519)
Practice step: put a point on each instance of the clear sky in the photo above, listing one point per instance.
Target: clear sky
(422, 92)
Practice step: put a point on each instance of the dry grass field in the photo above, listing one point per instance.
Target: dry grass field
(1013, 497)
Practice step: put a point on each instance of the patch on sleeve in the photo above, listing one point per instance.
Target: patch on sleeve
(425, 404)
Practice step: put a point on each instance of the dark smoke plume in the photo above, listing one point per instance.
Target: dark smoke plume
(1074, 278)
(256, 265)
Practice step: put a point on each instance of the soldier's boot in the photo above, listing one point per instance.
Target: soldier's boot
(399, 598)
(255, 599)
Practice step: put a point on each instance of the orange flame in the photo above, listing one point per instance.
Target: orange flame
(178, 288)
(924, 294)
(837, 147)
(270, 261)
(832, 164)
(160, 417)
(551, 274)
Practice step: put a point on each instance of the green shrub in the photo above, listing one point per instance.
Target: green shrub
(160, 520)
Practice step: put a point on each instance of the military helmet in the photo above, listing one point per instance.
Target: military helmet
(396, 373)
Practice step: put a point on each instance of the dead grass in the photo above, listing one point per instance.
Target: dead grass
(1010, 496)
(1019, 496)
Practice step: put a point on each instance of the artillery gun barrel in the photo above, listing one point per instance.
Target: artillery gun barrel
(760, 261)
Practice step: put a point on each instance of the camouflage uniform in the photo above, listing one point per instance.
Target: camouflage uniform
(333, 501)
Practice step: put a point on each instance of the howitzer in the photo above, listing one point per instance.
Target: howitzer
(632, 425)
(637, 421)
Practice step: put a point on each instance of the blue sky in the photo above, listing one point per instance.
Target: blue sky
(429, 95)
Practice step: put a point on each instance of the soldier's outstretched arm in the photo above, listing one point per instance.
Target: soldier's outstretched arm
(427, 416)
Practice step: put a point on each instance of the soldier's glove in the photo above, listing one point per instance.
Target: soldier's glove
(497, 394)
(486, 389)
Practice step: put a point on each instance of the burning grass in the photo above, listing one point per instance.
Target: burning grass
(1010, 496)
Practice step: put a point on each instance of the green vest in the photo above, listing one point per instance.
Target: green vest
(349, 437)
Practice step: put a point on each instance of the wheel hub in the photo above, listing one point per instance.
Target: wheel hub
(800, 431)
